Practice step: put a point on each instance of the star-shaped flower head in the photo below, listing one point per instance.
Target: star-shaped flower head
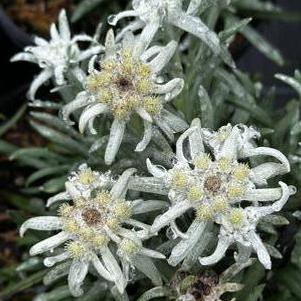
(151, 14)
(58, 56)
(98, 230)
(239, 226)
(213, 176)
(128, 82)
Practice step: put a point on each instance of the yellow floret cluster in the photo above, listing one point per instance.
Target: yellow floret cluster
(87, 219)
(124, 83)
(212, 187)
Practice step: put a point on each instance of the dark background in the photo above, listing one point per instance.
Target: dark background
(15, 78)
(286, 36)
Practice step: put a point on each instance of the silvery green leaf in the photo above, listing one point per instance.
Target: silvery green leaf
(118, 296)
(97, 291)
(273, 251)
(294, 83)
(29, 264)
(54, 185)
(56, 123)
(148, 268)
(13, 120)
(156, 292)
(257, 5)
(259, 42)
(59, 138)
(21, 285)
(45, 172)
(207, 113)
(234, 29)
(276, 220)
(54, 295)
(57, 272)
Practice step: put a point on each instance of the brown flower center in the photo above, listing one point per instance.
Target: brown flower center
(124, 84)
(213, 184)
(91, 217)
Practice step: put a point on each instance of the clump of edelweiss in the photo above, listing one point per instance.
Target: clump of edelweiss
(213, 176)
(207, 285)
(97, 230)
(128, 82)
(58, 56)
(151, 14)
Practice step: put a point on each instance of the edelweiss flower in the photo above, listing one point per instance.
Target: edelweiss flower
(59, 55)
(92, 228)
(152, 13)
(208, 286)
(215, 185)
(239, 226)
(128, 82)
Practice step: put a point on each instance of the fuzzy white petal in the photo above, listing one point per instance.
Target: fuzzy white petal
(195, 139)
(263, 195)
(64, 26)
(151, 253)
(120, 187)
(173, 212)
(196, 27)
(155, 170)
(77, 274)
(114, 268)
(113, 19)
(89, 113)
(147, 136)
(81, 100)
(145, 38)
(179, 144)
(221, 248)
(51, 261)
(180, 251)
(38, 82)
(115, 139)
(260, 249)
(142, 206)
(144, 114)
(62, 196)
(176, 123)
(23, 56)
(44, 223)
(162, 59)
(49, 243)
(101, 270)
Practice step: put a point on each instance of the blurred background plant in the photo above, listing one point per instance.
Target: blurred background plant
(38, 150)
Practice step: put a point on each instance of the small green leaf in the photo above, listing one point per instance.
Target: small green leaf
(84, 7)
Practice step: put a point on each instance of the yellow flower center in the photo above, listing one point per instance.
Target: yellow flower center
(235, 191)
(179, 179)
(202, 161)
(224, 164)
(241, 172)
(204, 213)
(195, 193)
(76, 250)
(129, 247)
(124, 83)
(86, 176)
(237, 217)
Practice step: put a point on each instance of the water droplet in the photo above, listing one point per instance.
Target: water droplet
(112, 20)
